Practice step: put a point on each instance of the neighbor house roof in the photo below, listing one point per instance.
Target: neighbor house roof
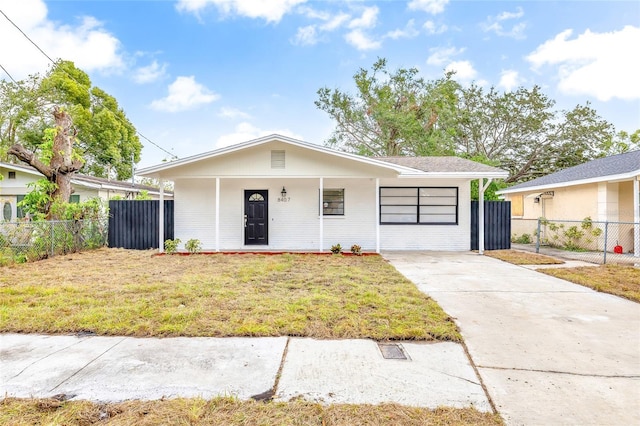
(89, 181)
(442, 164)
(616, 167)
(423, 166)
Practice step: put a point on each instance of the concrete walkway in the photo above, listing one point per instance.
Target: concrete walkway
(549, 352)
(343, 371)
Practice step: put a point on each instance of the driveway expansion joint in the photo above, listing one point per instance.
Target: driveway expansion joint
(534, 370)
(87, 364)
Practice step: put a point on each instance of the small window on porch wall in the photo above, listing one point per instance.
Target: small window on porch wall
(333, 202)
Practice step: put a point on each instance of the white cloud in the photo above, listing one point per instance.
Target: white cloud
(596, 64)
(306, 36)
(87, 44)
(431, 6)
(409, 31)
(464, 70)
(441, 55)
(246, 131)
(367, 20)
(269, 10)
(496, 24)
(232, 113)
(361, 41)
(432, 28)
(313, 34)
(509, 80)
(152, 72)
(184, 93)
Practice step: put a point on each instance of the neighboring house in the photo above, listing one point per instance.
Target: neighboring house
(278, 193)
(15, 178)
(606, 189)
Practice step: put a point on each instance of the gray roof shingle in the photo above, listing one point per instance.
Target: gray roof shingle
(441, 164)
(601, 167)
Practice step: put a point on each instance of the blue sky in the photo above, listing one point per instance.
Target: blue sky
(194, 75)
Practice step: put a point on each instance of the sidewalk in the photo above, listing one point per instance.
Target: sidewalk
(330, 371)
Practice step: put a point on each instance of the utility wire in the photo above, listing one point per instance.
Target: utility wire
(147, 139)
(72, 77)
(7, 73)
(26, 36)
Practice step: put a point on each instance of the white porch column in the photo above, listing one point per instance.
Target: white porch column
(481, 188)
(161, 219)
(217, 214)
(321, 210)
(377, 215)
(636, 216)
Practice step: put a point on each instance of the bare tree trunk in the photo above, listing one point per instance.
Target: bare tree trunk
(62, 166)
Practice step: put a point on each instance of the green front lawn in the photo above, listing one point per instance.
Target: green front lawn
(133, 293)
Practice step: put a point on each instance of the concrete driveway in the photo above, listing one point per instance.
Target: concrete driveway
(549, 352)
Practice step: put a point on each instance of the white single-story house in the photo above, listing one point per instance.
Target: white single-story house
(16, 177)
(276, 193)
(605, 190)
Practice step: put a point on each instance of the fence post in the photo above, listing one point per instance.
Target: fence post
(606, 238)
(538, 238)
(51, 234)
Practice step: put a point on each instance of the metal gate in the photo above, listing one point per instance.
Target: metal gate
(497, 225)
(135, 224)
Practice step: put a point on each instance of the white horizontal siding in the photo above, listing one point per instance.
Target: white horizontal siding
(295, 224)
(194, 211)
(431, 237)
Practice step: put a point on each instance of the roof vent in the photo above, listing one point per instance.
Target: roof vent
(277, 159)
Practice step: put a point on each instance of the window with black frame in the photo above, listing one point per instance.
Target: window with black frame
(419, 205)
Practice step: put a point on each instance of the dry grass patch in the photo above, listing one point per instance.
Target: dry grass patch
(228, 411)
(132, 293)
(522, 257)
(623, 281)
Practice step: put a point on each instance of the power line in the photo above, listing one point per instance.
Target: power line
(26, 36)
(146, 138)
(7, 73)
(72, 77)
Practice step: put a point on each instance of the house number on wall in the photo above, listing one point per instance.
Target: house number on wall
(284, 199)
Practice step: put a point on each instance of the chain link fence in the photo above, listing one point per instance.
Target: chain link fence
(30, 241)
(590, 241)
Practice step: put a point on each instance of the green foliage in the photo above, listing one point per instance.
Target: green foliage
(522, 239)
(336, 249)
(193, 246)
(107, 140)
(143, 195)
(171, 246)
(392, 113)
(572, 238)
(356, 249)
(39, 199)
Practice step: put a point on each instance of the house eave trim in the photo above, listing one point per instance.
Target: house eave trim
(610, 178)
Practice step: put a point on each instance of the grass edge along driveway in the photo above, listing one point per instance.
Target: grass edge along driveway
(132, 293)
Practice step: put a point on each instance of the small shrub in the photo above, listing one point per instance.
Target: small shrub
(356, 249)
(193, 246)
(336, 249)
(171, 246)
(522, 239)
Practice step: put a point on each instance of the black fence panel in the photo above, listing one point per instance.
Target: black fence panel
(497, 225)
(134, 224)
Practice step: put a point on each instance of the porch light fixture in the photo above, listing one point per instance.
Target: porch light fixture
(283, 192)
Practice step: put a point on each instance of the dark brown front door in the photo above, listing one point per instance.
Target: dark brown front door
(256, 216)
